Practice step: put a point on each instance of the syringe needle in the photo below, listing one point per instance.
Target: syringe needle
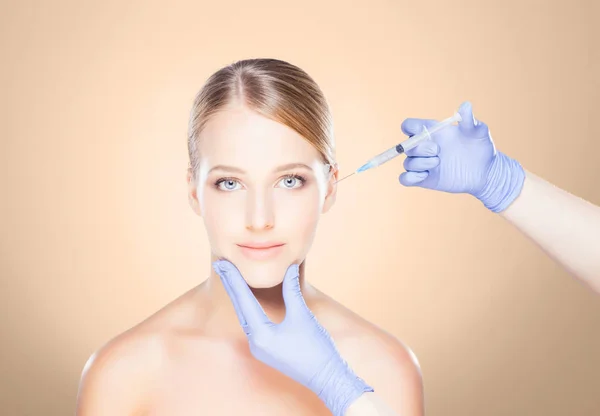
(345, 177)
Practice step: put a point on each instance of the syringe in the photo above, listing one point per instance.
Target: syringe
(408, 144)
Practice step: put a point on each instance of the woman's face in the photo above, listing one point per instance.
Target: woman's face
(260, 184)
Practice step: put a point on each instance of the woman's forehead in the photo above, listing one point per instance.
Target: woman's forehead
(258, 162)
(242, 137)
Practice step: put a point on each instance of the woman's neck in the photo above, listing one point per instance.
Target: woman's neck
(218, 313)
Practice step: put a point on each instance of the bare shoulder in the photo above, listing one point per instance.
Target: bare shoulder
(119, 377)
(116, 378)
(381, 359)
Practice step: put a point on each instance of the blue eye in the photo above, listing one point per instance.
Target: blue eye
(293, 181)
(289, 182)
(225, 184)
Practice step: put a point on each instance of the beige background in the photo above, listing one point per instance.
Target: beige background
(96, 233)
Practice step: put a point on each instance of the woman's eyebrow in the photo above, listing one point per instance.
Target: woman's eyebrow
(277, 169)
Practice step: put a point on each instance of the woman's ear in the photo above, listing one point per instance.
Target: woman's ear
(193, 193)
(332, 177)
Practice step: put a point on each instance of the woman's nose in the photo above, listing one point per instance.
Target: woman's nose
(259, 211)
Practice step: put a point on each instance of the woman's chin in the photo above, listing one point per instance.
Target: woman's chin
(263, 283)
(263, 279)
(263, 275)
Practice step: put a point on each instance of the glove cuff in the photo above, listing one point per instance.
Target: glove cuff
(504, 183)
(340, 386)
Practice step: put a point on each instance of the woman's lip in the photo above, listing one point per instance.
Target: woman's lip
(260, 246)
(264, 253)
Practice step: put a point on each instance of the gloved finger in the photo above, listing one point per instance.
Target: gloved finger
(412, 126)
(292, 295)
(420, 164)
(234, 301)
(469, 123)
(424, 149)
(249, 307)
(413, 178)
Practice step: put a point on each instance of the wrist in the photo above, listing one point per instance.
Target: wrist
(505, 179)
(338, 386)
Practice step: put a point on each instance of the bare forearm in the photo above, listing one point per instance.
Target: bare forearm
(566, 227)
(369, 404)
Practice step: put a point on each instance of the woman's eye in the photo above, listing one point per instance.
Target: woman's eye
(227, 185)
(291, 182)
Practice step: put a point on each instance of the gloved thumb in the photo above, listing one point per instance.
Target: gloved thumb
(292, 295)
(468, 123)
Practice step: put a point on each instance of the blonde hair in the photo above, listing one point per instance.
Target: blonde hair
(274, 89)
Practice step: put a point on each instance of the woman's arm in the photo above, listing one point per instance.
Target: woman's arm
(369, 404)
(566, 227)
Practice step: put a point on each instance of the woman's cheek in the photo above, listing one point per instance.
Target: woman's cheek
(299, 216)
(300, 203)
(221, 218)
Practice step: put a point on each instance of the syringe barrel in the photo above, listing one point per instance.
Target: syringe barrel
(413, 141)
(380, 159)
(408, 144)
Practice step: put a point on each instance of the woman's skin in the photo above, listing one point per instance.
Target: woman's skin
(192, 357)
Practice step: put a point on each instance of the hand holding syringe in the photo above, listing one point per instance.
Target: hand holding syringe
(459, 159)
(406, 145)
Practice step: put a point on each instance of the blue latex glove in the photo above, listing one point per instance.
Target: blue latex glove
(462, 159)
(298, 347)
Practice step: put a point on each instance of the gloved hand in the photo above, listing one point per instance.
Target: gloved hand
(462, 159)
(298, 347)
